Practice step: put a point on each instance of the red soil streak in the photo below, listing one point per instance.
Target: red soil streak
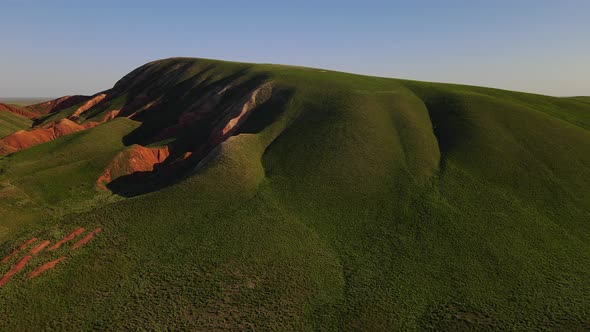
(86, 239)
(135, 159)
(39, 248)
(69, 237)
(15, 269)
(88, 105)
(45, 267)
(21, 247)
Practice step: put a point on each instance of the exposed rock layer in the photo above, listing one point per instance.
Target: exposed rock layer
(134, 159)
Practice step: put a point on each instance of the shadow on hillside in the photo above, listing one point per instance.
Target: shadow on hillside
(449, 123)
(198, 140)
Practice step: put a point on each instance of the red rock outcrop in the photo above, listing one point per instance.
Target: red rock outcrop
(56, 105)
(23, 139)
(246, 107)
(51, 106)
(134, 159)
(110, 115)
(227, 124)
(88, 105)
(140, 159)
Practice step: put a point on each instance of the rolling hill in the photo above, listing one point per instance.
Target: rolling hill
(210, 195)
(11, 122)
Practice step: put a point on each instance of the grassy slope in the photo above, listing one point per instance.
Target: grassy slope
(24, 101)
(584, 99)
(11, 196)
(10, 123)
(58, 115)
(370, 203)
(57, 177)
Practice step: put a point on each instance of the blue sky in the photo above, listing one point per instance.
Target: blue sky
(59, 47)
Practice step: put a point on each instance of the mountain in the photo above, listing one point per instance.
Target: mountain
(208, 195)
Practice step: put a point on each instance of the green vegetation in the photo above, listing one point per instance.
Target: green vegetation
(351, 203)
(59, 115)
(10, 123)
(24, 101)
(60, 175)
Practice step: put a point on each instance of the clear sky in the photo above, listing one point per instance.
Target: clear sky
(59, 47)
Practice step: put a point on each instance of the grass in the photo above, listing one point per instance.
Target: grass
(23, 101)
(365, 204)
(10, 123)
(58, 115)
(60, 175)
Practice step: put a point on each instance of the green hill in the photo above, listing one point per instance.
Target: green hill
(288, 198)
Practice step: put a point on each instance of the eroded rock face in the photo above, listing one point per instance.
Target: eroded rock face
(56, 105)
(110, 115)
(221, 126)
(134, 159)
(23, 139)
(230, 118)
(27, 138)
(194, 121)
(88, 105)
(257, 96)
(51, 106)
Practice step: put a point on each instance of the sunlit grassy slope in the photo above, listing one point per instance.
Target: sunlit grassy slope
(361, 203)
(10, 123)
